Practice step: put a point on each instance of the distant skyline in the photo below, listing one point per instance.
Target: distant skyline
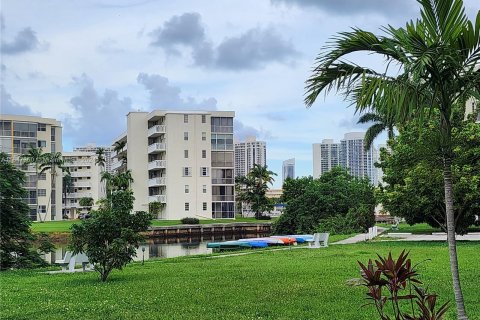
(88, 63)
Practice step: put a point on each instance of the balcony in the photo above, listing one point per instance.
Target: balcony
(157, 147)
(117, 165)
(162, 198)
(157, 164)
(223, 181)
(79, 174)
(82, 184)
(157, 182)
(79, 195)
(157, 130)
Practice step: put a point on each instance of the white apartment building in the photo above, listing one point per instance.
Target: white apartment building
(85, 181)
(326, 155)
(108, 154)
(181, 159)
(17, 135)
(349, 154)
(288, 169)
(249, 153)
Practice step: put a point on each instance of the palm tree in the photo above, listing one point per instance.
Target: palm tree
(119, 146)
(52, 162)
(381, 124)
(437, 57)
(100, 161)
(67, 187)
(36, 157)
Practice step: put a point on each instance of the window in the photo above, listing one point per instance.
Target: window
(185, 136)
(42, 127)
(204, 118)
(42, 176)
(204, 171)
(187, 171)
(43, 209)
(42, 143)
(42, 192)
(52, 134)
(187, 188)
(185, 154)
(204, 136)
(204, 206)
(52, 148)
(204, 188)
(204, 154)
(185, 118)
(187, 206)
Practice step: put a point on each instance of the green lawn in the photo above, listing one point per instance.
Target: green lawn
(419, 228)
(289, 284)
(64, 226)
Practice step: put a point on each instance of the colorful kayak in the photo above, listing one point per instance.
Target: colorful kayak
(268, 241)
(301, 238)
(286, 239)
(229, 245)
(256, 243)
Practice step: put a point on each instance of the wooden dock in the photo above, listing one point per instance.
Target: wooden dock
(200, 230)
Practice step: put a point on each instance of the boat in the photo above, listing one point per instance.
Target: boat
(268, 241)
(256, 243)
(288, 240)
(301, 238)
(229, 245)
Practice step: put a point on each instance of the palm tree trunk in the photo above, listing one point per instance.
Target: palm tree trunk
(36, 191)
(452, 248)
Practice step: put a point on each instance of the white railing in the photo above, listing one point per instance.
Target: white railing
(82, 184)
(117, 164)
(159, 128)
(162, 198)
(77, 163)
(79, 195)
(372, 233)
(77, 174)
(157, 164)
(159, 181)
(157, 147)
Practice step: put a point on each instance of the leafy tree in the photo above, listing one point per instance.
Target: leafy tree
(252, 189)
(382, 123)
(437, 57)
(86, 202)
(413, 173)
(36, 157)
(16, 239)
(310, 203)
(111, 235)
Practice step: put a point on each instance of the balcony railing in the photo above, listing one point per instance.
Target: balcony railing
(223, 181)
(79, 195)
(82, 184)
(117, 164)
(156, 130)
(157, 147)
(77, 174)
(155, 182)
(162, 198)
(157, 164)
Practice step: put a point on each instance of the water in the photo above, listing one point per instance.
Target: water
(156, 248)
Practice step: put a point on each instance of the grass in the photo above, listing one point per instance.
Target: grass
(64, 226)
(289, 284)
(419, 228)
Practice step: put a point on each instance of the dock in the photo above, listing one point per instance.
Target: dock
(200, 230)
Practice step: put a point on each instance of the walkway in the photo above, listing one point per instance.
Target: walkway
(474, 236)
(358, 238)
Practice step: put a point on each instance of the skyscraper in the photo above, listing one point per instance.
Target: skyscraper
(249, 153)
(326, 155)
(288, 169)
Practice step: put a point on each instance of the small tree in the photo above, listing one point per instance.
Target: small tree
(86, 202)
(111, 235)
(16, 239)
(252, 189)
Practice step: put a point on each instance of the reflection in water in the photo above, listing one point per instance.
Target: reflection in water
(164, 247)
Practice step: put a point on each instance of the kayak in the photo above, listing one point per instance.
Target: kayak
(255, 243)
(268, 241)
(301, 238)
(286, 239)
(229, 245)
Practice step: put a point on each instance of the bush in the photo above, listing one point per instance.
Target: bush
(189, 220)
(357, 220)
(264, 217)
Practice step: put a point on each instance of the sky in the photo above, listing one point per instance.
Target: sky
(88, 63)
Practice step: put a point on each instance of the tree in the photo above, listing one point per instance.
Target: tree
(436, 57)
(36, 157)
(118, 148)
(251, 189)
(309, 202)
(52, 162)
(381, 124)
(16, 239)
(111, 235)
(86, 202)
(67, 187)
(100, 161)
(414, 180)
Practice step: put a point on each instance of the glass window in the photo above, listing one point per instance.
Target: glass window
(204, 118)
(52, 134)
(204, 188)
(42, 192)
(186, 171)
(204, 171)
(204, 206)
(185, 154)
(42, 143)
(204, 154)
(187, 188)
(42, 127)
(187, 206)
(204, 136)
(185, 136)
(185, 118)
(53, 147)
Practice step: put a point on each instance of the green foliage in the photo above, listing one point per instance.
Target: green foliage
(189, 220)
(111, 235)
(336, 193)
(353, 222)
(16, 240)
(86, 202)
(398, 278)
(154, 208)
(413, 171)
(252, 189)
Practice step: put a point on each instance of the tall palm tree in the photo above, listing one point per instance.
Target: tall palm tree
(437, 57)
(100, 161)
(67, 187)
(36, 157)
(381, 124)
(52, 162)
(119, 146)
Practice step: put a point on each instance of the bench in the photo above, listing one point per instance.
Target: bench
(69, 260)
(319, 240)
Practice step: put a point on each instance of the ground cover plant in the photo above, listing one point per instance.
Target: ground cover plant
(288, 284)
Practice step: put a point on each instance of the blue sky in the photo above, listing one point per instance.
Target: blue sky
(88, 63)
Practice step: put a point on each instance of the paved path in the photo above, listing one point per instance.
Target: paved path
(358, 238)
(474, 236)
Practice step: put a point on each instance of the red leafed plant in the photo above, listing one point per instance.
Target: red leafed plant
(390, 282)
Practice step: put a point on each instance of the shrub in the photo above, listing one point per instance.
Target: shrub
(356, 220)
(264, 217)
(189, 220)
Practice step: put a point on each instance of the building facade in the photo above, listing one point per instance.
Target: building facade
(92, 148)
(182, 160)
(288, 169)
(249, 153)
(85, 182)
(348, 154)
(17, 135)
